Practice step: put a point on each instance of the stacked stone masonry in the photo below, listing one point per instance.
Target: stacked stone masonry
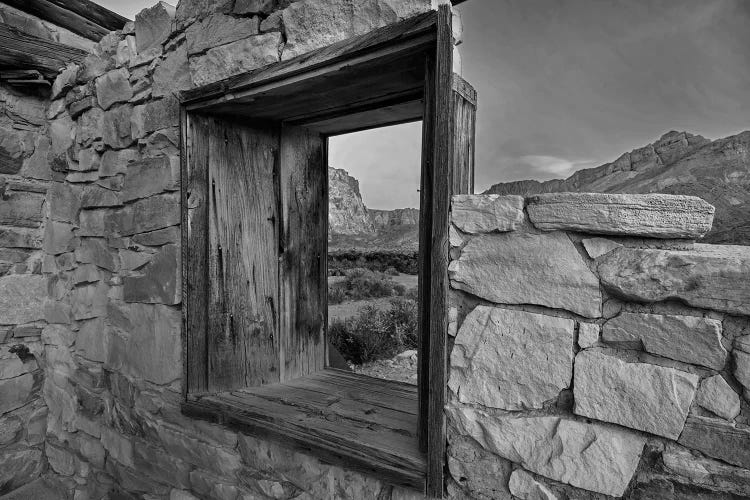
(597, 350)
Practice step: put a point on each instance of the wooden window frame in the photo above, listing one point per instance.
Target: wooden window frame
(440, 111)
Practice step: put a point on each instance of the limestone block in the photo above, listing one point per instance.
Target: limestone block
(716, 396)
(11, 237)
(88, 159)
(188, 9)
(154, 115)
(119, 447)
(524, 268)
(126, 49)
(148, 177)
(509, 359)
(89, 301)
(588, 335)
(65, 80)
(159, 282)
(21, 209)
(718, 439)
(486, 213)
(234, 58)
(60, 460)
(698, 471)
(596, 247)
(113, 87)
(200, 453)
(158, 464)
(742, 367)
(313, 24)
(93, 66)
(255, 6)
(116, 127)
(691, 339)
(89, 127)
(641, 396)
(158, 237)
(272, 22)
(652, 215)
(148, 214)
(483, 473)
(95, 251)
(218, 29)
(592, 456)
(153, 25)
(116, 162)
(20, 466)
(92, 341)
(63, 201)
(22, 298)
(58, 237)
(710, 276)
(172, 74)
(11, 151)
(525, 487)
(145, 342)
(95, 196)
(15, 392)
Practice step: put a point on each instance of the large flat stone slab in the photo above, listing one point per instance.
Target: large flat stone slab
(717, 396)
(486, 213)
(641, 396)
(718, 439)
(691, 339)
(592, 456)
(234, 58)
(527, 268)
(22, 298)
(509, 359)
(709, 276)
(652, 215)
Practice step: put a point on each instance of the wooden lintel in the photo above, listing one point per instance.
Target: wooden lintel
(19, 50)
(82, 17)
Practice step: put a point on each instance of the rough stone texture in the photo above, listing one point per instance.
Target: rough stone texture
(641, 396)
(159, 282)
(652, 215)
(21, 209)
(718, 439)
(486, 213)
(494, 364)
(147, 177)
(588, 335)
(710, 276)
(116, 162)
(316, 23)
(154, 115)
(153, 25)
(149, 214)
(483, 474)
(525, 268)
(596, 247)
(716, 396)
(218, 29)
(113, 87)
(525, 487)
(698, 471)
(19, 467)
(115, 127)
(592, 456)
(16, 392)
(234, 58)
(173, 74)
(22, 298)
(691, 339)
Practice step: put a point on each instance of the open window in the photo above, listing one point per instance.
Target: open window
(255, 199)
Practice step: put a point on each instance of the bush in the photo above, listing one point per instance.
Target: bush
(406, 262)
(361, 284)
(376, 334)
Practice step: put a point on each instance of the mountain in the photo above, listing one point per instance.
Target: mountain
(351, 225)
(678, 163)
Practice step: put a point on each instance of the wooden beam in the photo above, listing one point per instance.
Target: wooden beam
(61, 13)
(19, 50)
(95, 13)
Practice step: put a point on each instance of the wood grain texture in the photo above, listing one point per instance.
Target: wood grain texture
(242, 256)
(303, 246)
(66, 14)
(194, 161)
(464, 125)
(19, 50)
(315, 414)
(441, 193)
(94, 12)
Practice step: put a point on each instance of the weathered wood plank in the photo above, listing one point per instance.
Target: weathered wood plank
(79, 16)
(194, 163)
(302, 279)
(243, 259)
(392, 39)
(464, 123)
(388, 455)
(19, 50)
(441, 187)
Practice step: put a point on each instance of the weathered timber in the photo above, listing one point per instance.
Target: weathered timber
(82, 17)
(19, 50)
(464, 125)
(358, 434)
(243, 262)
(303, 241)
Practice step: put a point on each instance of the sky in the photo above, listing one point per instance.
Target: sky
(569, 84)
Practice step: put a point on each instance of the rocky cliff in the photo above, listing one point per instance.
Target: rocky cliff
(347, 213)
(678, 163)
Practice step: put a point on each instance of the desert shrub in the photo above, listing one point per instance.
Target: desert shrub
(362, 284)
(376, 334)
(391, 271)
(403, 262)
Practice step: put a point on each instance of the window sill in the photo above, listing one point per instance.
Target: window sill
(354, 421)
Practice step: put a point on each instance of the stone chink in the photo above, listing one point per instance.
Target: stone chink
(643, 393)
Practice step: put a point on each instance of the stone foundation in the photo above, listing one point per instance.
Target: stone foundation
(597, 350)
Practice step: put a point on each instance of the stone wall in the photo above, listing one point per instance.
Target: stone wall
(113, 348)
(597, 351)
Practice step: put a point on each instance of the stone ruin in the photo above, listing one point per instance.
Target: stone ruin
(596, 350)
